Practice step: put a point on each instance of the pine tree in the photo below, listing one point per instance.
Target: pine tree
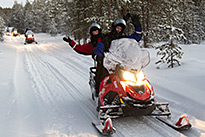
(36, 16)
(28, 14)
(5, 13)
(202, 13)
(170, 51)
(52, 14)
(81, 13)
(43, 16)
(74, 17)
(17, 17)
(2, 27)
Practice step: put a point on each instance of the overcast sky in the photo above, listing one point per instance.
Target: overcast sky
(9, 3)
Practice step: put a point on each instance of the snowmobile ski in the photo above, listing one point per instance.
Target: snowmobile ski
(179, 126)
(106, 129)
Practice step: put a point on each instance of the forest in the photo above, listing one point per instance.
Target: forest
(67, 17)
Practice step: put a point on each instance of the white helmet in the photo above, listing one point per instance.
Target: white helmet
(119, 22)
(94, 26)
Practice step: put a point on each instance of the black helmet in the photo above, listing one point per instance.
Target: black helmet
(94, 27)
(119, 22)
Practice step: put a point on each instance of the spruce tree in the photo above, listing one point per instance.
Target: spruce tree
(170, 51)
(28, 14)
(17, 17)
(2, 27)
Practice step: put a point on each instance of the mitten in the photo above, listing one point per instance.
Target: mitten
(135, 20)
(127, 16)
(67, 39)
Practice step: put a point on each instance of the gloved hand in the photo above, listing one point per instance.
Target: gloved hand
(127, 16)
(135, 20)
(67, 39)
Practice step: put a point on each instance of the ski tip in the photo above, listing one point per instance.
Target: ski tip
(180, 127)
(108, 132)
(100, 128)
(184, 127)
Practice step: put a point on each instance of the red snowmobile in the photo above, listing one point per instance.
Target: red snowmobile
(15, 32)
(29, 37)
(133, 94)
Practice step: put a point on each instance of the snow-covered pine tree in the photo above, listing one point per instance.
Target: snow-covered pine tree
(44, 18)
(66, 18)
(52, 13)
(81, 11)
(170, 51)
(199, 22)
(28, 14)
(2, 27)
(62, 16)
(99, 14)
(37, 14)
(17, 17)
(185, 19)
(202, 11)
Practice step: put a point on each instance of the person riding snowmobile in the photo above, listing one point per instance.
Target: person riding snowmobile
(89, 49)
(117, 32)
(29, 37)
(118, 27)
(26, 32)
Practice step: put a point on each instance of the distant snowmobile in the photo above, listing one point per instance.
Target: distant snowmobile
(134, 95)
(9, 31)
(15, 32)
(29, 37)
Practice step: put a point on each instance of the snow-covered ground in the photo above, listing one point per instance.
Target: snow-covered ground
(44, 92)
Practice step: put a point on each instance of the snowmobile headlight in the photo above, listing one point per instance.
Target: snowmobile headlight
(30, 36)
(133, 79)
(129, 76)
(140, 76)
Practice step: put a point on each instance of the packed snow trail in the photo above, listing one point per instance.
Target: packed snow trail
(45, 92)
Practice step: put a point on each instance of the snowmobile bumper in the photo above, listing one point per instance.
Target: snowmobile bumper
(30, 40)
(161, 109)
(136, 110)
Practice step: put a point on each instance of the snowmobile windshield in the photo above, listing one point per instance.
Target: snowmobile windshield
(127, 54)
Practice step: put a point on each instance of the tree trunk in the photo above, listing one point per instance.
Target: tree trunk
(101, 8)
(143, 23)
(172, 45)
(109, 9)
(147, 23)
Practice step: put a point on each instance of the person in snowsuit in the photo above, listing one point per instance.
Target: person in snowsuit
(26, 32)
(87, 49)
(29, 36)
(118, 27)
(90, 49)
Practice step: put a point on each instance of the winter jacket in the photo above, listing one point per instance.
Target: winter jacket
(137, 35)
(86, 49)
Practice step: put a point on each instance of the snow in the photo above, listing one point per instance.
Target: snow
(45, 92)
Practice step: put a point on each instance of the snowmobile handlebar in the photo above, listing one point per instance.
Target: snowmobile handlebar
(93, 69)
